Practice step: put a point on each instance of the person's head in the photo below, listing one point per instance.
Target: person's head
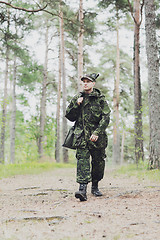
(89, 82)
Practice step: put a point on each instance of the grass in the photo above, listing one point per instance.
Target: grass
(30, 168)
(10, 170)
(141, 172)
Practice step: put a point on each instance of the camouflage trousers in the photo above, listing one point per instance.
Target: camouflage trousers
(87, 172)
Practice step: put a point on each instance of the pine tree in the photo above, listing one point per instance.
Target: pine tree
(7, 36)
(153, 83)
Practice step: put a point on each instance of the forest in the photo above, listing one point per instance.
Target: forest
(47, 46)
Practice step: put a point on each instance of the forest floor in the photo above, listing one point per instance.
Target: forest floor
(43, 206)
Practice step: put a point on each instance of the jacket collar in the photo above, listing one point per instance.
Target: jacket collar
(95, 93)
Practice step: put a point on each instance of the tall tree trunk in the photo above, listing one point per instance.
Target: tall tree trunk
(139, 152)
(57, 144)
(153, 83)
(116, 134)
(122, 147)
(4, 107)
(80, 45)
(65, 151)
(13, 115)
(43, 98)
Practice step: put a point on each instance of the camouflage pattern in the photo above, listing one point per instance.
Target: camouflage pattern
(91, 117)
(84, 174)
(96, 116)
(92, 77)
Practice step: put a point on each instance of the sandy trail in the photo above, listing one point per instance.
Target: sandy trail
(36, 207)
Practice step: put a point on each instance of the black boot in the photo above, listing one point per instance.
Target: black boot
(95, 191)
(81, 194)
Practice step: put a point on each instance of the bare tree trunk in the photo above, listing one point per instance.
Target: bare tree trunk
(57, 144)
(13, 115)
(116, 134)
(122, 147)
(65, 151)
(139, 152)
(154, 84)
(80, 45)
(43, 98)
(4, 107)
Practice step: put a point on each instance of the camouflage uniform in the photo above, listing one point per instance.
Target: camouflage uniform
(91, 117)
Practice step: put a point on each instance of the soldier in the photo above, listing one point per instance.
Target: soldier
(91, 114)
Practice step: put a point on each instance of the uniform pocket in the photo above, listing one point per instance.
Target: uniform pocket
(96, 113)
(78, 137)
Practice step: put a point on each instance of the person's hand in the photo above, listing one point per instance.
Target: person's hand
(80, 100)
(94, 138)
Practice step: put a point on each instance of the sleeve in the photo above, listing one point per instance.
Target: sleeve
(72, 110)
(104, 122)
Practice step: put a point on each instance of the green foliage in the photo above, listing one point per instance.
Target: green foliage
(30, 168)
(90, 30)
(49, 136)
(107, 70)
(29, 74)
(14, 25)
(119, 10)
(118, 4)
(23, 99)
(26, 148)
(141, 172)
(158, 21)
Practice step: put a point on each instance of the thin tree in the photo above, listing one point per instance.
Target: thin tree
(64, 96)
(153, 83)
(118, 6)
(116, 133)
(137, 17)
(122, 147)
(4, 106)
(80, 45)
(58, 125)
(13, 114)
(43, 96)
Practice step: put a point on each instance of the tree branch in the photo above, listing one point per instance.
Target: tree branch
(37, 10)
(142, 5)
(52, 82)
(23, 9)
(57, 15)
(131, 10)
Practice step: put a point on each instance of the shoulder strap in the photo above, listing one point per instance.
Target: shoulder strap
(83, 120)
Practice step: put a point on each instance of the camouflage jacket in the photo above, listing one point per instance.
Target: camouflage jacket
(91, 117)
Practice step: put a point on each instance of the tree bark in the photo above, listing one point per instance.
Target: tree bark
(13, 115)
(80, 46)
(153, 83)
(139, 152)
(43, 98)
(65, 151)
(57, 143)
(4, 107)
(122, 147)
(116, 133)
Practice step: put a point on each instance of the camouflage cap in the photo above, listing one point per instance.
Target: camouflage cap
(92, 77)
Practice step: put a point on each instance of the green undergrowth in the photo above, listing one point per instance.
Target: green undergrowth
(141, 172)
(30, 168)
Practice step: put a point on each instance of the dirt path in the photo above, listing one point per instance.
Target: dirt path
(43, 207)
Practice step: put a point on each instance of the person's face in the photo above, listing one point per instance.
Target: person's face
(88, 85)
